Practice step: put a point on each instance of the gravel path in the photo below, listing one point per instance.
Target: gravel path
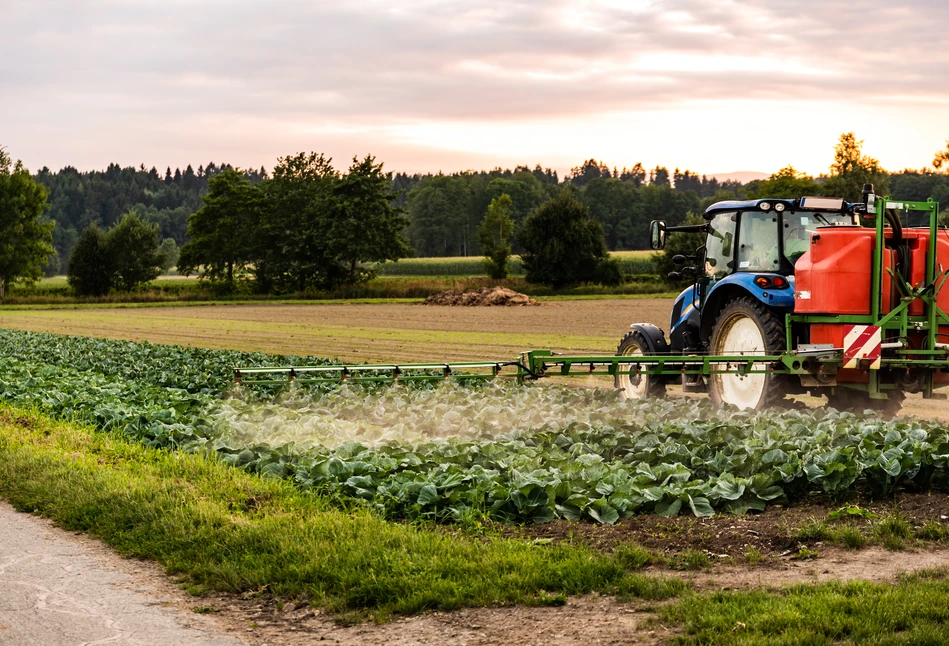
(57, 589)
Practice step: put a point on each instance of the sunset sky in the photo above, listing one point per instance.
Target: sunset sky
(426, 85)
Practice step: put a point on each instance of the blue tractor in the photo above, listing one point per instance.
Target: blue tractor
(742, 287)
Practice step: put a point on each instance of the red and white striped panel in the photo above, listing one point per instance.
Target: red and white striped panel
(862, 342)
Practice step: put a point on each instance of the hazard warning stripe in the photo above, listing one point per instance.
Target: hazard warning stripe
(862, 342)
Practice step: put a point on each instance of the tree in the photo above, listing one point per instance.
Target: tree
(26, 242)
(291, 243)
(942, 157)
(133, 247)
(787, 183)
(221, 232)
(588, 171)
(636, 174)
(563, 243)
(54, 266)
(493, 235)
(171, 252)
(91, 269)
(852, 169)
(362, 224)
(659, 176)
(440, 213)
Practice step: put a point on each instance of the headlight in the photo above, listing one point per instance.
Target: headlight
(779, 207)
(764, 206)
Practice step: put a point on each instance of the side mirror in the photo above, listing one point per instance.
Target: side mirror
(678, 259)
(657, 234)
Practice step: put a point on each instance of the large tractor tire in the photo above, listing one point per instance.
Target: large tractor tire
(857, 401)
(746, 327)
(631, 385)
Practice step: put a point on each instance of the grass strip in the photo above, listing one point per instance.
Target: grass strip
(915, 610)
(227, 530)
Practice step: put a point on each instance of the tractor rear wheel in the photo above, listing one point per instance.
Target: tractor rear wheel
(747, 327)
(858, 401)
(631, 385)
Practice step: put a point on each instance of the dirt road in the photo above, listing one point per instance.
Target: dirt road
(58, 589)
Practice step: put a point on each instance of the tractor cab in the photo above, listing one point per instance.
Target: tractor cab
(750, 250)
(742, 286)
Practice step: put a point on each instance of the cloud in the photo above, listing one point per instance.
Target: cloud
(293, 64)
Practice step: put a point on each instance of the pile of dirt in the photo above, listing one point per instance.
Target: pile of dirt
(486, 297)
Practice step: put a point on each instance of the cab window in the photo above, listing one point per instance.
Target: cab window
(798, 227)
(758, 248)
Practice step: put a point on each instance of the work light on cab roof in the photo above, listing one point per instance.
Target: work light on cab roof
(788, 296)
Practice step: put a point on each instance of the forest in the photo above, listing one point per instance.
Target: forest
(445, 210)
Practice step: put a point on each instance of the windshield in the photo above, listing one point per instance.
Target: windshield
(799, 225)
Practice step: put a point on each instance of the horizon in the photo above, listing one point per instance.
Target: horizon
(432, 85)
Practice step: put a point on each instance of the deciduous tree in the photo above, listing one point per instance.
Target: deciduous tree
(852, 169)
(133, 246)
(222, 232)
(494, 234)
(26, 242)
(563, 243)
(941, 157)
(363, 226)
(91, 270)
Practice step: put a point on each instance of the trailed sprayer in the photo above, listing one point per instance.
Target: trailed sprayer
(787, 296)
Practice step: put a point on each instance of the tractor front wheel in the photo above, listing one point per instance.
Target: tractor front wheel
(630, 384)
(746, 327)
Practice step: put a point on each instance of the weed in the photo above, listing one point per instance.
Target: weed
(691, 560)
(813, 531)
(805, 554)
(852, 538)
(893, 531)
(753, 556)
(634, 557)
(933, 530)
(851, 511)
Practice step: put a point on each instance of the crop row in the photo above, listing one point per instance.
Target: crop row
(514, 453)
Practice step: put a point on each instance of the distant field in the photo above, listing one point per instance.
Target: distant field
(631, 262)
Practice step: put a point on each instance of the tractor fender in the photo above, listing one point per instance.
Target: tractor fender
(737, 286)
(655, 338)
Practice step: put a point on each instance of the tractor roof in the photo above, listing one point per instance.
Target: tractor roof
(744, 205)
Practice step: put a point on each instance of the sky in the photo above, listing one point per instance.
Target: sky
(429, 85)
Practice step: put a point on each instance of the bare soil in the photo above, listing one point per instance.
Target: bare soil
(725, 536)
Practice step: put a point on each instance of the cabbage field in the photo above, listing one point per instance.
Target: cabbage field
(515, 453)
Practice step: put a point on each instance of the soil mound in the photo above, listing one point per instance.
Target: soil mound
(485, 297)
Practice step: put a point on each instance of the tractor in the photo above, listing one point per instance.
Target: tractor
(766, 262)
(811, 295)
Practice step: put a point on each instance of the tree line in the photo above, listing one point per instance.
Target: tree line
(306, 225)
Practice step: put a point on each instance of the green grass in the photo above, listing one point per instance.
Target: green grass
(223, 529)
(914, 611)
